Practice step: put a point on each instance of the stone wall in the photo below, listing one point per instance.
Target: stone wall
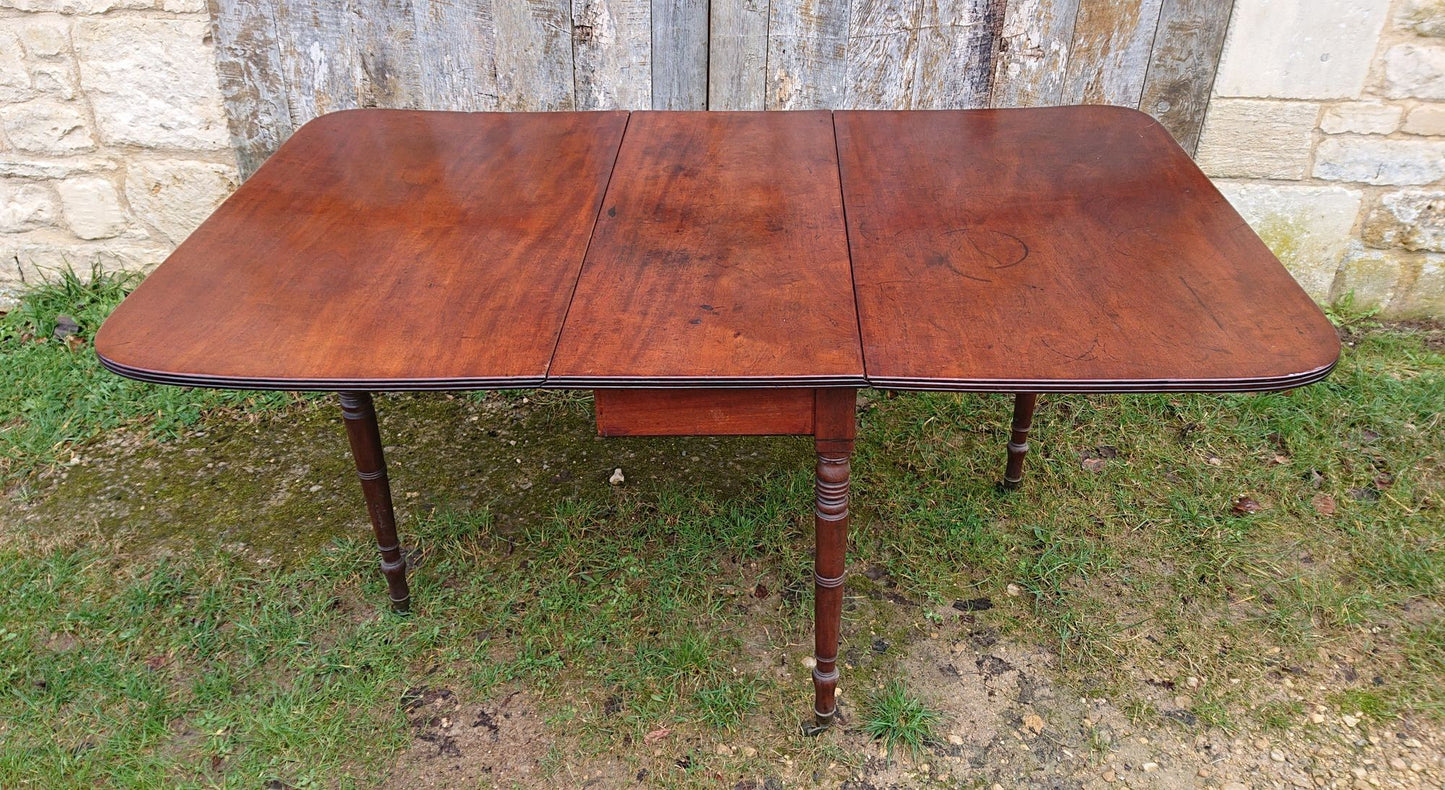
(113, 143)
(1327, 131)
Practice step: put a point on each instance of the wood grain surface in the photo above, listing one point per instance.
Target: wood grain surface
(385, 35)
(1186, 53)
(1038, 37)
(679, 54)
(1110, 54)
(807, 60)
(456, 49)
(380, 250)
(958, 43)
(534, 55)
(1049, 249)
(737, 54)
(782, 411)
(250, 74)
(612, 54)
(881, 55)
(1073, 249)
(719, 259)
(320, 66)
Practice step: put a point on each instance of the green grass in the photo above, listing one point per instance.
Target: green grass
(110, 666)
(900, 720)
(58, 397)
(626, 612)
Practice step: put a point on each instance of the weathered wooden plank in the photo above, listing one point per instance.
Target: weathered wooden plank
(882, 54)
(456, 50)
(385, 36)
(1182, 65)
(318, 57)
(1033, 54)
(1110, 55)
(283, 63)
(534, 55)
(612, 52)
(679, 54)
(737, 54)
(253, 87)
(807, 54)
(957, 47)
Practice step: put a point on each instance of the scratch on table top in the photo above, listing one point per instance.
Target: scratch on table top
(1207, 310)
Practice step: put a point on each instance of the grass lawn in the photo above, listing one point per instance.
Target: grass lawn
(192, 598)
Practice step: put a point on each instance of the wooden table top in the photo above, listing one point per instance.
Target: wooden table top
(1070, 248)
(717, 259)
(1074, 249)
(380, 250)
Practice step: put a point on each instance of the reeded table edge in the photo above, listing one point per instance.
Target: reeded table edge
(1266, 384)
(320, 385)
(512, 382)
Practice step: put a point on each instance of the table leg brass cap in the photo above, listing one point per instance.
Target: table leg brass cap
(820, 723)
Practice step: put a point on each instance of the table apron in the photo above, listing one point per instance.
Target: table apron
(706, 412)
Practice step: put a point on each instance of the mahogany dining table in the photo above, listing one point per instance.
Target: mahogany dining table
(710, 273)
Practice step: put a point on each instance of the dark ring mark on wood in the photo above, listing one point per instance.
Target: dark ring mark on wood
(1004, 255)
(939, 259)
(1080, 357)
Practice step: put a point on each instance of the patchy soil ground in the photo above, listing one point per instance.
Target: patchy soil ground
(277, 488)
(1008, 724)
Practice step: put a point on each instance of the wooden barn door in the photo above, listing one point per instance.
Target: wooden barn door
(283, 62)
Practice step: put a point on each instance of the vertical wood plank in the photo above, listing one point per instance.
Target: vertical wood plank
(679, 54)
(958, 45)
(385, 35)
(807, 54)
(612, 53)
(1110, 54)
(456, 52)
(253, 88)
(283, 63)
(1033, 56)
(1182, 65)
(737, 54)
(534, 55)
(882, 54)
(318, 57)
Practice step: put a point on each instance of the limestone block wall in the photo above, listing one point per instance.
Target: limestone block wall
(1326, 129)
(113, 143)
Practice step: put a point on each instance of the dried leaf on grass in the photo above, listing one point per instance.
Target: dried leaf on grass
(1245, 505)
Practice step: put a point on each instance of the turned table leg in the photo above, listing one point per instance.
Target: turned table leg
(365, 438)
(833, 441)
(1018, 440)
